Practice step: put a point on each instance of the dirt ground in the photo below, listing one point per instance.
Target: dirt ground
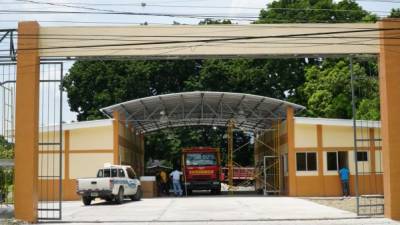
(373, 205)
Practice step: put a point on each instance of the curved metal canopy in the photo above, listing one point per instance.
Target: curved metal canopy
(202, 108)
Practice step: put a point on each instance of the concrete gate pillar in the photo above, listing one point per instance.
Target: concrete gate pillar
(27, 123)
(292, 191)
(389, 73)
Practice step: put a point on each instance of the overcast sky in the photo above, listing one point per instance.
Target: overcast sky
(228, 8)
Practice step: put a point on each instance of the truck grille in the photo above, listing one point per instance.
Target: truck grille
(201, 177)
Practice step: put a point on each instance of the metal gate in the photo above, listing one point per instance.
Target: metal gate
(7, 134)
(367, 139)
(50, 141)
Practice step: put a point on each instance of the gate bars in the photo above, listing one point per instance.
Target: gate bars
(367, 139)
(50, 141)
(7, 128)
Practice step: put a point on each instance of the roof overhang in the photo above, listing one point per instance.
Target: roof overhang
(202, 108)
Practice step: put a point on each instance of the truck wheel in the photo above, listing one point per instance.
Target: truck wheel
(86, 200)
(216, 191)
(138, 195)
(120, 196)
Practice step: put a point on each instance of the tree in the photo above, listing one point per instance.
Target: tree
(394, 13)
(328, 90)
(276, 78)
(92, 85)
(314, 11)
(6, 149)
(321, 96)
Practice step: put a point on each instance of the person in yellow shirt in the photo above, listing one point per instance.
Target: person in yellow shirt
(164, 182)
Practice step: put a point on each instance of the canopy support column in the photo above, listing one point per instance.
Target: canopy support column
(291, 151)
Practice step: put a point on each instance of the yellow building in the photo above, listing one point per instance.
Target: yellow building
(321, 147)
(86, 147)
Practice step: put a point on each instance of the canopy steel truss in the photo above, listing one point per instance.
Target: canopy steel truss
(250, 112)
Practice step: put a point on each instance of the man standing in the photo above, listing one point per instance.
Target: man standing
(344, 178)
(164, 182)
(176, 182)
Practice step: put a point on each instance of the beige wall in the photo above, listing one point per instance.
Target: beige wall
(48, 136)
(87, 164)
(335, 136)
(305, 135)
(91, 138)
(49, 165)
(85, 150)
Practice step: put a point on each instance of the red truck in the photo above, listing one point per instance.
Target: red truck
(202, 169)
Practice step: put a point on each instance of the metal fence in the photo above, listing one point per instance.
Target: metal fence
(367, 137)
(50, 141)
(7, 134)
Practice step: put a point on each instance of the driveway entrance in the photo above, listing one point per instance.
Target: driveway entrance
(212, 210)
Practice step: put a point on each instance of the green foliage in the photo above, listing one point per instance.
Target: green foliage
(394, 13)
(6, 182)
(268, 77)
(328, 90)
(314, 11)
(6, 149)
(92, 85)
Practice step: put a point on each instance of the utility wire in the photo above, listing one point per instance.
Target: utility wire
(198, 16)
(77, 6)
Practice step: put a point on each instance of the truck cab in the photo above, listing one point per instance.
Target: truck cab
(202, 169)
(113, 182)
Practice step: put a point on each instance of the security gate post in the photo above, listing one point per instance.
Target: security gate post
(26, 122)
(389, 95)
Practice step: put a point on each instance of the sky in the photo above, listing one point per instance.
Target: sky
(228, 8)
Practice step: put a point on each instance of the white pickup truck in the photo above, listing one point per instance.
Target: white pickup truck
(113, 182)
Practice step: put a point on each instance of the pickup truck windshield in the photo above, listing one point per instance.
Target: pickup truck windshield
(201, 159)
(107, 173)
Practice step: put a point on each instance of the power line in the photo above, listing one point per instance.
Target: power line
(85, 22)
(139, 4)
(199, 16)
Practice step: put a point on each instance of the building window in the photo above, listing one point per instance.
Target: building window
(331, 158)
(362, 156)
(336, 160)
(306, 161)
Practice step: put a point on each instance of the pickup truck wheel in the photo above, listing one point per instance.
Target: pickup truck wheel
(138, 195)
(86, 200)
(120, 197)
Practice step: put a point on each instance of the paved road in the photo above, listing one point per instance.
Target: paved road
(222, 210)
